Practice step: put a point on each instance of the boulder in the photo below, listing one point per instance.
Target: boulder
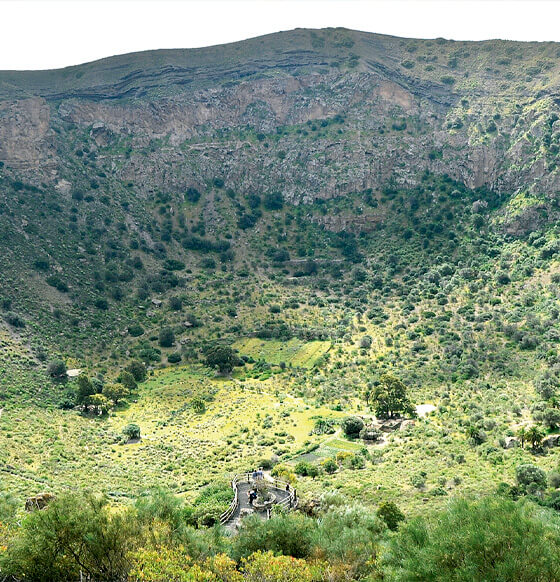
(391, 424)
(407, 424)
(39, 501)
(551, 441)
(511, 443)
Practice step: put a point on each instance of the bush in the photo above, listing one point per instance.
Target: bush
(138, 370)
(288, 534)
(370, 433)
(273, 201)
(530, 476)
(76, 534)
(131, 431)
(175, 303)
(352, 425)
(56, 369)
(390, 514)
(365, 342)
(491, 539)
(14, 320)
(166, 337)
(128, 380)
(56, 282)
(192, 195)
(136, 330)
(174, 358)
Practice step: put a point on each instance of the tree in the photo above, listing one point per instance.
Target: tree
(530, 475)
(128, 380)
(535, 436)
(138, 370)
(86, 389)
(221, 357)
(391, 398)
(56, 369)
(389, 512)
(522, 436)
(100, 402)
(166, 337)
(551, 417)
(352, 425)
(115, 392)
(132, 431)
(76, 534)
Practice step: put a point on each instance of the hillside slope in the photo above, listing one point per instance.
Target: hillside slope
(310, 180)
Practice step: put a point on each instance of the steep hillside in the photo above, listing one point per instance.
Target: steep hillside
(334, 204)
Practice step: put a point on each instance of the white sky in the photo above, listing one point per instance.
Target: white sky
(43, 34)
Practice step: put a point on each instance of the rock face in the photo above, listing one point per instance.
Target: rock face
(317, 114)
(24, 133)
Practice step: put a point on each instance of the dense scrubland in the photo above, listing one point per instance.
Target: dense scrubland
(346, 271)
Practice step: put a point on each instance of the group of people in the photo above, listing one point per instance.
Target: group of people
(257, 475)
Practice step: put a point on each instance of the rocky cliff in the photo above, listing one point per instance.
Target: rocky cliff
(315, 114)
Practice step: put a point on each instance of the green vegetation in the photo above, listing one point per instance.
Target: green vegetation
(158, 539)
(342, 299)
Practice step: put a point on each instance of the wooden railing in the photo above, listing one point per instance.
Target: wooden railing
(224, 518)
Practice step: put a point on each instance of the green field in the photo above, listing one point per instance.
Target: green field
(294, 353)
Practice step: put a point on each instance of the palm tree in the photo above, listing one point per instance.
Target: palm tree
(522, 435)
(535, 436)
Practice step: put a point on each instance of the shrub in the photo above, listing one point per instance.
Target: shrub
(166, 337)
(115, 392)
(175, 303)
(370, 433)
(365, 342)
(289, 534)
(490, 539)
(174, 358)
(14, 320)
(136, 330)
(128, 380)
(530, 476)
(131, 431)
(352, 425)
(273, 201)
(76, 534)
(390, 514)
(138, 370)
(198, 405)
(192, 195)
(56, 369)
